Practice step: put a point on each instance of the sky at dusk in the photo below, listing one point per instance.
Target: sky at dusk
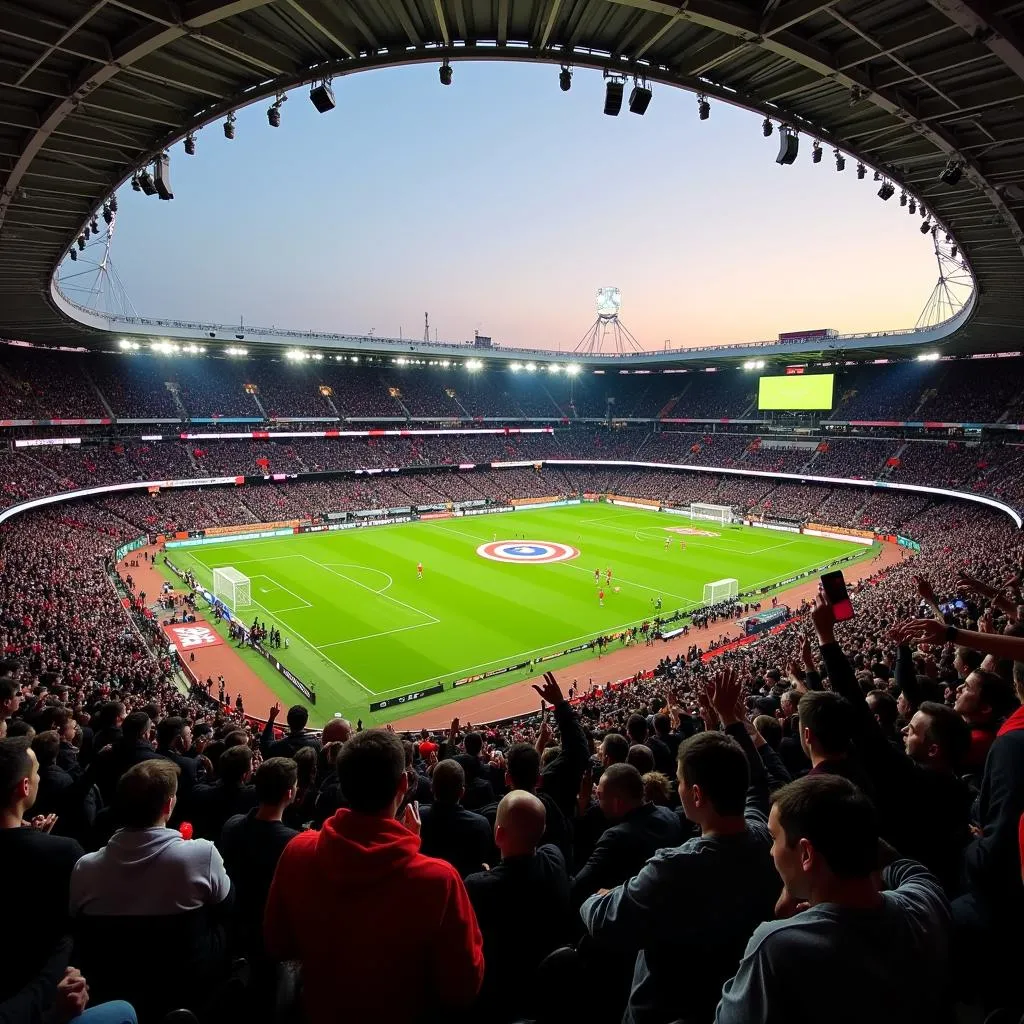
(501, 204)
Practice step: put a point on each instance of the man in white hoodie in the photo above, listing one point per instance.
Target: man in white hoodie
(151, 897)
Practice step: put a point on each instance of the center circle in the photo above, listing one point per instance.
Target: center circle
(533, 552)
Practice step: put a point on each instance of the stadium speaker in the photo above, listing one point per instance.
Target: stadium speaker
(639, 99)
(953, 172)
(789, 146)
(613, 97)
(162, 176)
(886, 192)
(146, 182)
(322, 97)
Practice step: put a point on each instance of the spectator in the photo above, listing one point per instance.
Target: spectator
(251, 845)
(448, 830)
(231, 793)
(637, 831)
(38, 866)
(366, 866)
(296, 738)
(825, 847)
(151, 896)
(724, 878)
(528, 886)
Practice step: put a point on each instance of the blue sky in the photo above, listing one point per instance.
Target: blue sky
(501, 204)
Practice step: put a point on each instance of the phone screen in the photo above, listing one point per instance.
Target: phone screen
(834, 586)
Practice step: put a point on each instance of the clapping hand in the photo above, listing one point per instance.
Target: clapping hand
(411, 817)
(725, 692)
(925, 631)
(707, 711)
(72, 995)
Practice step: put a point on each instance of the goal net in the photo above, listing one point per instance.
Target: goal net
(720, 590)
(232, 587)
(711, 513)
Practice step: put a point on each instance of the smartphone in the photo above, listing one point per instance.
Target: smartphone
(834, 586)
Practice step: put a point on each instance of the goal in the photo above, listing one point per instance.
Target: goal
(232, 587)
(720, 590)
(713, 513)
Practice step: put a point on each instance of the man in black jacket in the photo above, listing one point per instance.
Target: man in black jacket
(173, 740)
(297, 737)
(38, 868)
(527, 887)
(638, 830)
(212, 805)
(133, 747)
(447, 829)
(562, 775)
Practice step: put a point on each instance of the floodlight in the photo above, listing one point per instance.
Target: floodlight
(840, 161)
(639, 99)
(861, 171)
(816, 152)
(146, 182)
(229, 126)
(190, 145)
(565, 79)
(444, 72)
(925, 227)
(766, 127)
(886, 192)
(952, 173)
(703, 108)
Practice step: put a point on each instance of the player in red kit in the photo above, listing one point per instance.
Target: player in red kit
(597, 575)
(419, 570)
(608, 577)
(600, 598)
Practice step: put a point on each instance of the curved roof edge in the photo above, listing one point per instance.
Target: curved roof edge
(149, 329)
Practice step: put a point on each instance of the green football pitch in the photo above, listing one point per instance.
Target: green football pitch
(363, 627)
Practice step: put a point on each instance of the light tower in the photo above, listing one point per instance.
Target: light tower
(608, 329)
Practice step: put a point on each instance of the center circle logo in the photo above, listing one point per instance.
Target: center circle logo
(534, 552)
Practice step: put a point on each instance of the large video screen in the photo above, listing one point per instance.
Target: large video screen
(807, 391)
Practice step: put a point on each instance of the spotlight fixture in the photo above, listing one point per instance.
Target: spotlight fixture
(146, 182)
(949, 238)
(108, 214)
(86, 233)
(840, 161)
(953, 252)
(924, 212)
(878, 175)
(952, 173)
(274, 114)
(81, 241)
(73, 254)
(565, 78)
(113, 202)
(639, 98)
(136, 187)
(444, 72)
(913, 206)
(162, 176)
(816, 152)
(789, 145)
(903, 198)
(925, 227)
(766, 127)
(322, 96)
(229, 126)
(94, 225)
(613, 90)
(190, 145)
(861, 171)
(885, 193)
(703, 108)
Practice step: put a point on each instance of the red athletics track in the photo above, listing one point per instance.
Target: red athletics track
(520, 698)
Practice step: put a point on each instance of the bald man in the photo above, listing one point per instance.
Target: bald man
(522, 905)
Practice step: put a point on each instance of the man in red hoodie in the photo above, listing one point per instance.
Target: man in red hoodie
(339, 898)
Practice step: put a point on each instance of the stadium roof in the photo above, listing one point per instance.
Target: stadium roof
(90, 91)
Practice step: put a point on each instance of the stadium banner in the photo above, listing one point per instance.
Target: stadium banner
(358, 524)
(771, 526)
(674, 511)
(337, 515)
(906, 542)
(436, 515)
(390, 702)
(484, 511)
(490, 675)
(191, 635)
(763, 620)
(225, 531)
(39, 442)
(544, 502)
(632, 503)
(845, 532)
(835, 535)
(191, 542)
(132, 545)
(307, 691)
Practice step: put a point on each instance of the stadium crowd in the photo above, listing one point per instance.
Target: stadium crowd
(818, 825)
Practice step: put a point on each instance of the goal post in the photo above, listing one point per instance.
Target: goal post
(711, 513)
(720, 590)
(232, 587)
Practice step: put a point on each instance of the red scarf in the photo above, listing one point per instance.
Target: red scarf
(1013, 723)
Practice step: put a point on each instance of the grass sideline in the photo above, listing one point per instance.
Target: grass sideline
(363, 627)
